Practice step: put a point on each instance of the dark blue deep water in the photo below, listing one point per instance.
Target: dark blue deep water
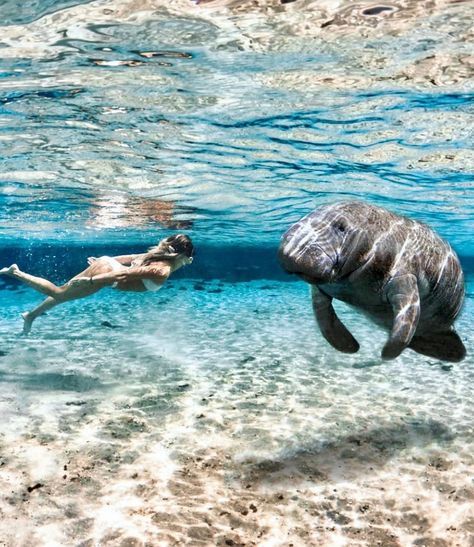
(213, 412)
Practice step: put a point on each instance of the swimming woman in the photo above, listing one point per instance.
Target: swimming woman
(134, 273)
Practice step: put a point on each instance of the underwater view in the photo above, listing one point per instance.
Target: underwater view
(213, 412)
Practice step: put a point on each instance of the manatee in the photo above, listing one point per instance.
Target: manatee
(395, 270)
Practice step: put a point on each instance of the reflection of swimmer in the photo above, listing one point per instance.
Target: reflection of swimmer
(135, 273)
(121, 210)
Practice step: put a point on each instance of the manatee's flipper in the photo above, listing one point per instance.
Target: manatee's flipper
(446, 346)
(331, 327)
(402, 294)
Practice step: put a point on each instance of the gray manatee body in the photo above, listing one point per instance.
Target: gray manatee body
(395, 270)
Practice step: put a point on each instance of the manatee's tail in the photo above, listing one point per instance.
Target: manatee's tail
(446, 346)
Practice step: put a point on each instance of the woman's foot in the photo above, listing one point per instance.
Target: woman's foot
(10, 270)
(27, 322)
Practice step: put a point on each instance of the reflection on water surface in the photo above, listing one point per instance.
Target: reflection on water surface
(243, 115)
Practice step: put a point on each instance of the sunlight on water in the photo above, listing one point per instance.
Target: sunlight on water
(213, 412)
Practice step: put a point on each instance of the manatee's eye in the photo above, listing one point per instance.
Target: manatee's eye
(340, 226)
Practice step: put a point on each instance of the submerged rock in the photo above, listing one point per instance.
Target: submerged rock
(199, 287)
(109, 325)
(35, 487)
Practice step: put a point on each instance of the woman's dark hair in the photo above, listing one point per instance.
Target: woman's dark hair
(169, 248)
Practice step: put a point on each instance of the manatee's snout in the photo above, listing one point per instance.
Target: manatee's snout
(299, 253)
(285, 260)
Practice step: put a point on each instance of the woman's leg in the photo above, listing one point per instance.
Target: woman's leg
(65, 292)
(57, 295)
(38, 283)
(30, 316)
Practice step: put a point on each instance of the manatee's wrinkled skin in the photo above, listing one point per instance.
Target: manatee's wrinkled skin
(397, 271)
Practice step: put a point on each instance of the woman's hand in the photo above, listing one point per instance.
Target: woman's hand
(91, 260)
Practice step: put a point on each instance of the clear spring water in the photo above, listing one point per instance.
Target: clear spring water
(212, 412)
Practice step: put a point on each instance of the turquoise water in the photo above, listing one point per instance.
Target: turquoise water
(213, 412)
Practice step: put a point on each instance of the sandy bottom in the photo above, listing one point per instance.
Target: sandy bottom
(215, 414)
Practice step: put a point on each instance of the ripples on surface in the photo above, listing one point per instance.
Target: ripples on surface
(121, 118)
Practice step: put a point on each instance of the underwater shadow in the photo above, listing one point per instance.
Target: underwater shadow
(54, 381)
(353, 454)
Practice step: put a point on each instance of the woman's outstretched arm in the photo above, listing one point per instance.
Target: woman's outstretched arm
(126, 279)
(125, 260)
